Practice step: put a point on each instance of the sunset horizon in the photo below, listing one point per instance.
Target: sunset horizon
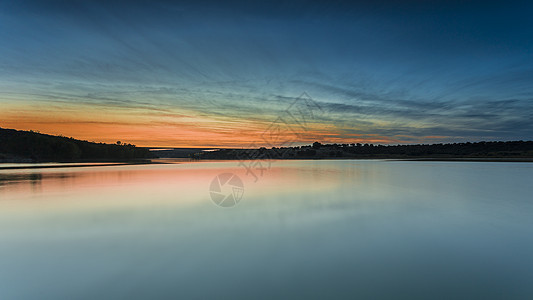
(97, 73)
(279, 149)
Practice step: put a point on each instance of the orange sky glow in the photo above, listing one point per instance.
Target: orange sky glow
(183, 129)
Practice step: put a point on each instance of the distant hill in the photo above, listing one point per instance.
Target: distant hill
(30, 146)
(177, 152)
(515, 150)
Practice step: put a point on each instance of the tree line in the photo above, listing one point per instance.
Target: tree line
(497, 149)
(34, 146)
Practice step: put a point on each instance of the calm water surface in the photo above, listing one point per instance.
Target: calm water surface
(305, 229)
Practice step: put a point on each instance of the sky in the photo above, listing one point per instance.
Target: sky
(241, 73)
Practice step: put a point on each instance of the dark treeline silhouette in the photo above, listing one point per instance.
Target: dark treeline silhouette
(514, 149)
(16, 145)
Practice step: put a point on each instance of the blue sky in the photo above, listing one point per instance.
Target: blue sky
(411, 71)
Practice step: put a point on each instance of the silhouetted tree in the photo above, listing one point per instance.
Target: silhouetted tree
(43, 147)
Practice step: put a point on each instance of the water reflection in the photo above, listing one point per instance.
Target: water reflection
(306, 229)
(18, 178)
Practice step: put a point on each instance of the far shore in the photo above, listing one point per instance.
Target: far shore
(480, 159)
(54, 165)
(469, 159)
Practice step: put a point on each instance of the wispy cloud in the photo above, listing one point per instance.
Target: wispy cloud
(381, 72)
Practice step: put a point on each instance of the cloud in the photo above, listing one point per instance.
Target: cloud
(400, 72)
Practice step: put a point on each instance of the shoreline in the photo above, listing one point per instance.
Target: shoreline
(56, 165)
(469, 159)
(472, 159)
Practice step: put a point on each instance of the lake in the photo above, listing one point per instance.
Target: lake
(337, 229)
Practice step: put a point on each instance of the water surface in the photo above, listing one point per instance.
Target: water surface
(304, 229)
